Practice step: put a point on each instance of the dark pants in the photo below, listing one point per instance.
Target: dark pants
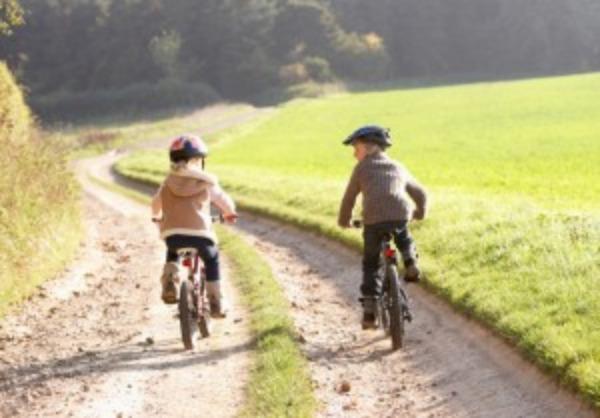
(372, 241)
(207, 250)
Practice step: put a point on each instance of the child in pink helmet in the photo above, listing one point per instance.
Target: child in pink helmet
(182, 205)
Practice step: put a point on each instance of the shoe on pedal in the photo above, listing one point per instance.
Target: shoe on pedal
(168, 281)
(412, 273)
(216, 301)
(369, 319)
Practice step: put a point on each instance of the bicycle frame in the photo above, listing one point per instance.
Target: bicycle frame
(191, 260)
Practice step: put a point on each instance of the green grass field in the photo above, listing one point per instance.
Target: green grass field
(513, 170)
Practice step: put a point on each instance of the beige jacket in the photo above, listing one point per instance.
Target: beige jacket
(183, 203)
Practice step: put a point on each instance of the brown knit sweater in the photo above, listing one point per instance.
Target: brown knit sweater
(383, 184)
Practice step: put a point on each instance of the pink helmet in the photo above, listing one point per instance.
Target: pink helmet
(187, 147)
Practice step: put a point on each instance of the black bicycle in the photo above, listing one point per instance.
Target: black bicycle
(392, 308)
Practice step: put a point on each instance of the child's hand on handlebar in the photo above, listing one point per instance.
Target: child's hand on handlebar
(231, 218)
(418, 215)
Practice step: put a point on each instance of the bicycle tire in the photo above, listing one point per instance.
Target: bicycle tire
(204, 325)
(384, 315)
(186, 317)
(395, 308)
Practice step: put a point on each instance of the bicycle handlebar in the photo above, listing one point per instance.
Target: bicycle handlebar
(217, 218)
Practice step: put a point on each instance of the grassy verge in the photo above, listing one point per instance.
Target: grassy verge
(39, 212)
(280, 384)
(39, 219)
(513, 170)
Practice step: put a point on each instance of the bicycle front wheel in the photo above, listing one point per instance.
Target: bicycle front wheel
(395, 307)
(186, 316)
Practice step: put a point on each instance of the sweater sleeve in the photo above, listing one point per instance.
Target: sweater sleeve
(157, 203)
(222, 200)
(418, 194)
(349, 199)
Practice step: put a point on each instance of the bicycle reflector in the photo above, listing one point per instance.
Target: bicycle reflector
(390, 252)
(187, 262)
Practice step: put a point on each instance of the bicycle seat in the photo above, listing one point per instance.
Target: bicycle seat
(183, 252)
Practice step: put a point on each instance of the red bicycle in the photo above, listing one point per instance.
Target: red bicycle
(194, 311)
(193, 305)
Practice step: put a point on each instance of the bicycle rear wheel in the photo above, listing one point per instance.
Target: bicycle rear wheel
(395, 307)
(186, 315)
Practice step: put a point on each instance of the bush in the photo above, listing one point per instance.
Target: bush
(361, 57)
(293, 73)
(141, 98)
(307, 70)
(15, 119)
(39, 227)
(319, 69)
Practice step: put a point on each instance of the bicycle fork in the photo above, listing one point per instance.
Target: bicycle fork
(391, 259)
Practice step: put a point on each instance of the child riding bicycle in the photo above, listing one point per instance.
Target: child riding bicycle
(383, 183)
(182, 206)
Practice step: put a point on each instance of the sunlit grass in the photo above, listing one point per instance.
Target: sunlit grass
(39, 218)
(513, 170)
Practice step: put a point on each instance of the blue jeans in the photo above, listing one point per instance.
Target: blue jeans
(372, 241)
(207, 250)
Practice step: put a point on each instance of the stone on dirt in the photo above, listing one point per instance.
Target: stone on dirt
(344, 387)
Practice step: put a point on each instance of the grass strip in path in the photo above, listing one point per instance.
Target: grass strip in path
(280, 385)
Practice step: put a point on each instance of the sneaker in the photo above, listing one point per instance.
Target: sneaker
(412, 273)
(216, 301)
(168, 281)
(369, 320)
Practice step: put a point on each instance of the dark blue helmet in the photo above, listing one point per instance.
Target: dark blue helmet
(371, 133)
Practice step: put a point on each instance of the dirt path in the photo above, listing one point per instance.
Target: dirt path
(450, 367)
(97, 342)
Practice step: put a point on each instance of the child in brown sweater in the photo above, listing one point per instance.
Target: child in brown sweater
(384, 184)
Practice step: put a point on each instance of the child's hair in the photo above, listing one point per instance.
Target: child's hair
(371, 147)
(182, 164)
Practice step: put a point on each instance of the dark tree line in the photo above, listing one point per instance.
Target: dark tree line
(238, 49)
(488, 37)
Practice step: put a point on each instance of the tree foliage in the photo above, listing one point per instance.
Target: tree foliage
(242, 48)
(11, 15)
